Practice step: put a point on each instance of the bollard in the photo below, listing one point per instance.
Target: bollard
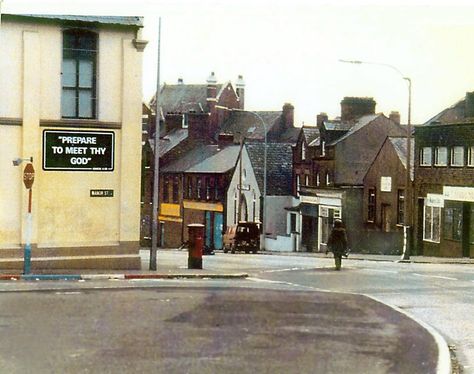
(196, 244)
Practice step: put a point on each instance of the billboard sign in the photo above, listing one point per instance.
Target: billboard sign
(78, 150)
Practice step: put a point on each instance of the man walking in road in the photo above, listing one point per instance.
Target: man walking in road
(337, 242)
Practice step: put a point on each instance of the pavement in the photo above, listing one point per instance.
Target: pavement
(180, 270)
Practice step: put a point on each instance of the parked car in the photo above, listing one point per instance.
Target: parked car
(245, 236)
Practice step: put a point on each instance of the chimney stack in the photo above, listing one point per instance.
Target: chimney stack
(240, 90)
(180, 81)
(395, 117)
(352, 108)
(320, 118)
(288, 115)
(469, 110)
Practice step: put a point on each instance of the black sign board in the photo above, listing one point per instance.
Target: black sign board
(102, 193)
(78, 150)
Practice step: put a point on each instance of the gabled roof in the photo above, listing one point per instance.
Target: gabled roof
(400, 146)
(362, 122)
(171, 140)
(221, 161)
(204, 158)
(97, 20)
(310, 133)
(337, 125)
(241, 122)
(279, 166)
(182, 98)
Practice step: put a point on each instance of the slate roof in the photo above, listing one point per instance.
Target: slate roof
(170, 140)
(400, 146)
(204, 158)
(182, 98)
(361, 122)
(337, 125)
(279, 166)
(248, 124)
(97, 20)
(310, 133)
(454, 114)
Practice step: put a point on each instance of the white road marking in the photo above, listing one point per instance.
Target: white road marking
(280, 270)
(435, 276)
(382, 271)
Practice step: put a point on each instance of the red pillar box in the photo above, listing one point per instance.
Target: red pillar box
(196, 245)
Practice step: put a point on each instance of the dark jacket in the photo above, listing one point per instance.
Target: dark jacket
(337, 241)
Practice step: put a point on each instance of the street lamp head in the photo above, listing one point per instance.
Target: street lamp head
(17, 161)
(351, 61)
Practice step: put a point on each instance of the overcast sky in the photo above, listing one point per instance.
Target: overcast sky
(289, 51)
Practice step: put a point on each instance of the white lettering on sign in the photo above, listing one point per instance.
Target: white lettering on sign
(458, 193)
(80, 160)
(98, 151)
(78, 139)
(434, 200)
(76, 150)
(57, 150)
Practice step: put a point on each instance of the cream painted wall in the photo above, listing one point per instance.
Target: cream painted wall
(64, 214)
(10, 193)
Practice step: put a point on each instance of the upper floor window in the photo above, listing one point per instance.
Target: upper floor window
(79, 69)
(441, 156)
(317, 179)
(328, 179)
(457, 156)
(298, 184)
(426, 156)
(470, 156)
(323, 148)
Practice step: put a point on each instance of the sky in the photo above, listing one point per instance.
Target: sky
(290, 51)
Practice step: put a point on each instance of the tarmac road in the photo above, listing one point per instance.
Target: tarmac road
(195, 328)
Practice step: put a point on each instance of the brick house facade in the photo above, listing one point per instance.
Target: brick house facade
(444, 184)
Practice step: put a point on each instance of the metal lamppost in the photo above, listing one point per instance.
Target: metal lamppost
(156, 170)
(407, 218)
(264, 217)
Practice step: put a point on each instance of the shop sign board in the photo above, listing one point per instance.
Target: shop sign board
(78, 150)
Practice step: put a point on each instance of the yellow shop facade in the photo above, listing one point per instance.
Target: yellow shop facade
(70, 100)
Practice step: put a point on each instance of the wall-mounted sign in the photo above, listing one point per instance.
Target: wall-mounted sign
(386, 184)
(29, 175)
(102, 193)
(434, 200)
(458, 193)
(78, 150)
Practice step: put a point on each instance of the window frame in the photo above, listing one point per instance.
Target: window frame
(437, 156)
(74, 52)
(470, 156)
(431, 238)
(400, 206)
(371, 204)
(453, 156)
(424, 161)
